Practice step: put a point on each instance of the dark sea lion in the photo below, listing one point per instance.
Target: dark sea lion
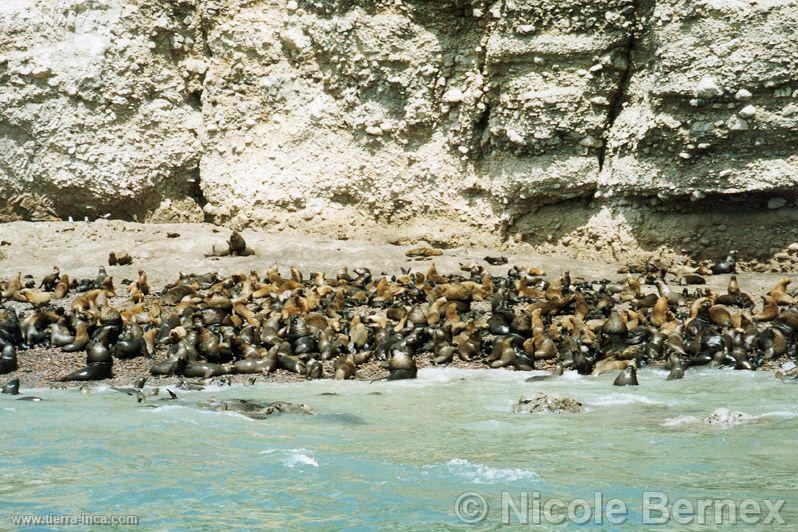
(401, 365)
(204, 370)
(627, 377)
(496, 261)
(249, 366)
(313, 369)
(140, 382)
(8, 358)
(238, 246)
(30, 398)
(93, 371)
(11, 387)
(290, 363)
(130, 343)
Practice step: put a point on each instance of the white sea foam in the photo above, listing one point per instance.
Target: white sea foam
(624, 399)
(480, 473)
(293, 458)
(679, 421)
(723, 417)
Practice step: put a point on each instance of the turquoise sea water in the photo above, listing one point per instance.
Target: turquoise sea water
(395, 454)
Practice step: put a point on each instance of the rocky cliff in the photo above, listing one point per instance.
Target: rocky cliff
(586, 127)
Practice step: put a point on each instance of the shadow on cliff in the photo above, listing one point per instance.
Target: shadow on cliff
(704, 229)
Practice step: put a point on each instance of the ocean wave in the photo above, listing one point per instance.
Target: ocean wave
(481, 473)
(680, 420)
(293, 458)
(624, 399)
(725, 418)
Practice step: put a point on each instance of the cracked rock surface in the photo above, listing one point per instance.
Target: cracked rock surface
(576, 126)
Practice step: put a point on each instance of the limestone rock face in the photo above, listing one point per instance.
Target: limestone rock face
(457, 120)
(711, 106)
(96, 114)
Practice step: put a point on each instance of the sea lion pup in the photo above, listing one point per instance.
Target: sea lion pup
(11, 387)
(401, 365)
(607, 366)
(729, 265)
(627, 377)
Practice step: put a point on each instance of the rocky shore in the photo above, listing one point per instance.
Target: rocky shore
(272, 324)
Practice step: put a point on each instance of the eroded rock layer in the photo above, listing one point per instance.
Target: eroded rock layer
(601, 125)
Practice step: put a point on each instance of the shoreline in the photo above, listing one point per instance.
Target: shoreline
(254, 320)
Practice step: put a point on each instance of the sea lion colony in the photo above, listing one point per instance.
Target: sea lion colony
(203, 326)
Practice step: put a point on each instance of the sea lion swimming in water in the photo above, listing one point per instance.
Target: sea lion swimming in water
(11, 387)
(627, 377)
(556, 372)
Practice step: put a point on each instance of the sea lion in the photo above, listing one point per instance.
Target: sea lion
(627, 377)
(556, 372)
(313, 369)
(249, 366)
(10, 329)
(30, 398)
(8, 358)
(120, 259)
(345, 367)
(204, 370)
(401, 365)
(607, 365)
(11, 387)
(94, 371)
